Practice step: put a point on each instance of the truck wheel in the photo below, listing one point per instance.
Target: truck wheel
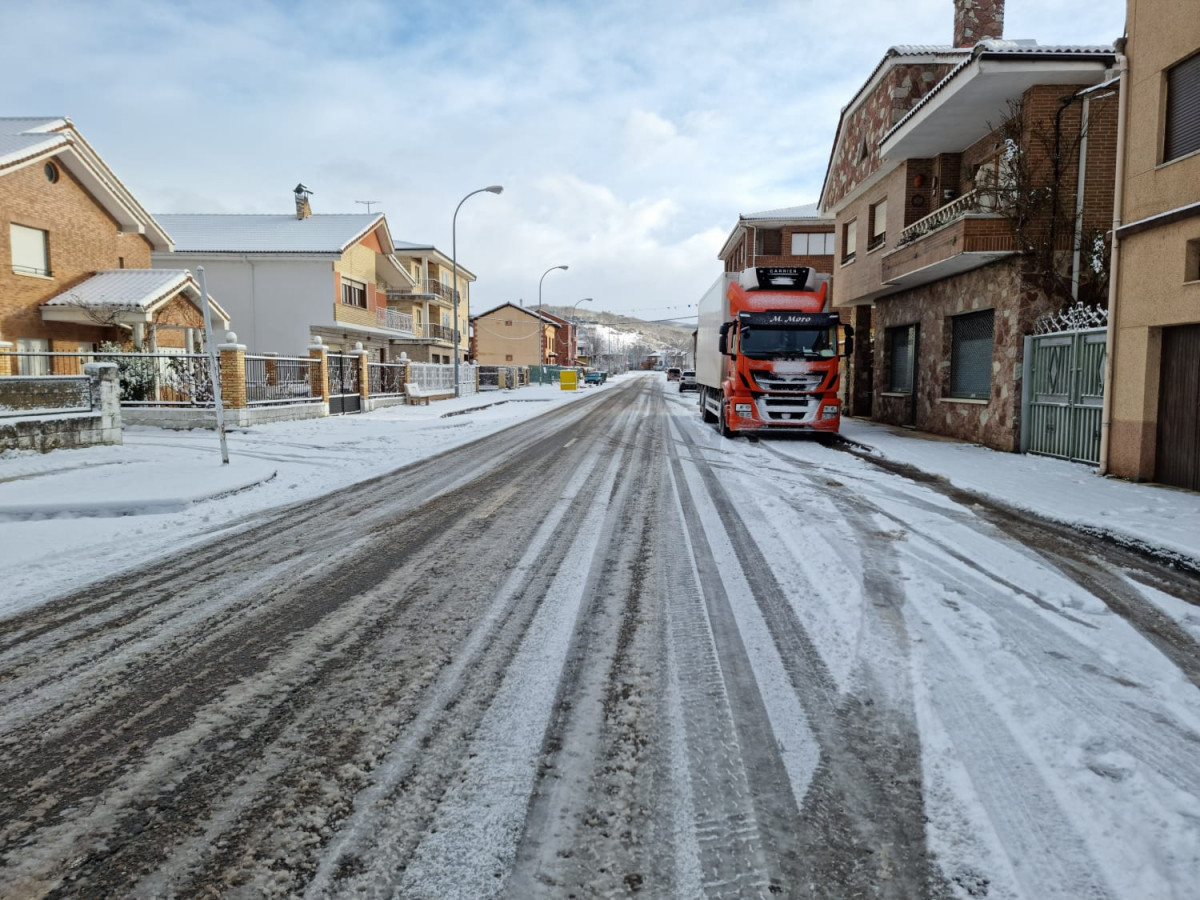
(722, 427)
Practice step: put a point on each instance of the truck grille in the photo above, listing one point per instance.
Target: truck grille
(797, 381)
(785, 408)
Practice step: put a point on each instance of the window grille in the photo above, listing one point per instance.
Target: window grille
(901, 344)
(971, 355)
(1183, 109)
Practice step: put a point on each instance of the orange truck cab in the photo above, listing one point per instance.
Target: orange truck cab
(768, 352)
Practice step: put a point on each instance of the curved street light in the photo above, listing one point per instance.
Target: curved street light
(539, 306)
(492, 189)
(543, 278)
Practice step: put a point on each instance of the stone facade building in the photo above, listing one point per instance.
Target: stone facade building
(932, 183)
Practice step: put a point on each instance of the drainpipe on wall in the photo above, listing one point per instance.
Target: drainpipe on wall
(1113, 271)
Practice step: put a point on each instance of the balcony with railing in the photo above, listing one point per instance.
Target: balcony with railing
(435, 289)
(964, 234)
(394, 320)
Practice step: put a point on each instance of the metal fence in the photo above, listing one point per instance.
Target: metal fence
(276, 380)
(386, 379)
(146, 379)
(438, 378)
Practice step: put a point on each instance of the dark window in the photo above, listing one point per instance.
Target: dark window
(1191, 261)
(971, 355)
(1183, 109)
(770, 242)
(354, 294)
(901, 344)
(51, 171)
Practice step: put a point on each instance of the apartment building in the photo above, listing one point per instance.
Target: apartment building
(1154, 393)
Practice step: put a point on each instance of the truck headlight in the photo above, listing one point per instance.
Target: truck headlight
(829, 412)
(742, 409)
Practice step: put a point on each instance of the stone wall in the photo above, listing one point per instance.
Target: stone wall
(994, 422)
(50, 430)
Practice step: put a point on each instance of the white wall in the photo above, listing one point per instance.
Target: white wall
(272, 303)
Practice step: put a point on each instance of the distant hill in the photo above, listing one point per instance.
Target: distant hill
(630, 337)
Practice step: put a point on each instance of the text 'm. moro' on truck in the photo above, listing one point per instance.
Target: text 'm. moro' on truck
(767, 353)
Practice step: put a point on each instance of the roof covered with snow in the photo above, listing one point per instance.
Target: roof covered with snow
(125, 289)
(807, 211)
(226, 233)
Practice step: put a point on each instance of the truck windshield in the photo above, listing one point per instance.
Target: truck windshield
(808, 343)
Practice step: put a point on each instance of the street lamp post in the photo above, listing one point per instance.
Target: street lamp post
(539, 306)
(492, 189)
(575, 324)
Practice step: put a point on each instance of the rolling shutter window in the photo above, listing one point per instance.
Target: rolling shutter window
(29, 255)
(971, 355)
(1183, 109)
(799, 244)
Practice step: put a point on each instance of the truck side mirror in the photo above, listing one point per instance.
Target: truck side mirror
(848, 342)
(723, 339)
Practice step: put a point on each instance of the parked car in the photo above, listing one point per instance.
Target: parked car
(593, 376)
(687, 381)
(674, 374)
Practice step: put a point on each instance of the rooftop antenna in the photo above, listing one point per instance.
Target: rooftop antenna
(368, 203)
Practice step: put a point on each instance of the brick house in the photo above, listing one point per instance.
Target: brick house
(566, 340)
(1154, 322)
(431, 302)
(287, 279)
(511, 335)
(953, 183)
(75, 254)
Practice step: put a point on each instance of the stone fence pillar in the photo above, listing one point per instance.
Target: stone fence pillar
(106, 397)
(319, 353)
(233, 372)
(364, 373)
(7, 360)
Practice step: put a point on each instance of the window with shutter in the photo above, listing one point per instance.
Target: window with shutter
(30, 253)
(971, 355)
(1182, 131)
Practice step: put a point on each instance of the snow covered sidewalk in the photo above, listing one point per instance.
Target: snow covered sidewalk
(1160, 518)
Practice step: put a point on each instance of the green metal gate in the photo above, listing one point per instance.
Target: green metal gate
(1063, 392)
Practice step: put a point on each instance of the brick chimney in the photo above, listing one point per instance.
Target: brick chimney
(303, 210)
(977, 20)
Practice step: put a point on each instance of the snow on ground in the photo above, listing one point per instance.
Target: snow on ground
(71, 516)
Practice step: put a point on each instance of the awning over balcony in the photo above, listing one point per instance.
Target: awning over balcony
(975, 97)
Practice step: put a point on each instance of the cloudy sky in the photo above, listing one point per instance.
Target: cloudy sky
(628, 135)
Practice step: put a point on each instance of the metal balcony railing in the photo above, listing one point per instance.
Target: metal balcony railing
(396, 321)
(971, 202)
(430, 288)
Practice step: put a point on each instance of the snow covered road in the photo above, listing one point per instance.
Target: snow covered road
(606, 653)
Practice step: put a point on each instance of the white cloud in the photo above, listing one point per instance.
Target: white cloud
(628, 135)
